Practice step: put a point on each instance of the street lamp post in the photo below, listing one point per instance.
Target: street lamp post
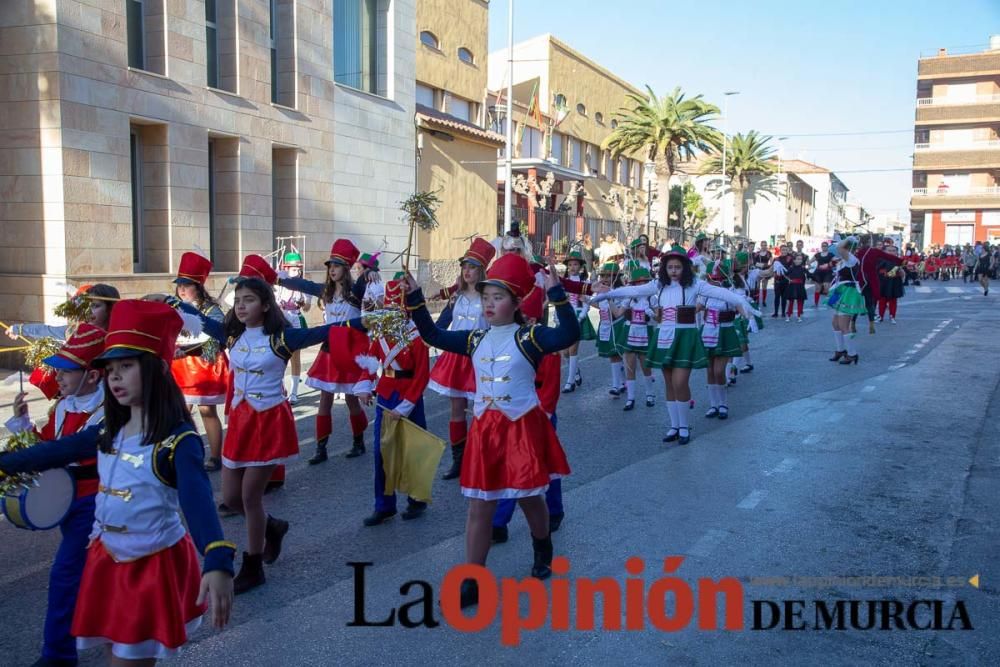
(650, 168)
(509, 138)
(725, 135)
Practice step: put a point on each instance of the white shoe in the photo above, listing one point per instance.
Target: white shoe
(892, 320)
(788, 319)
(799, 320)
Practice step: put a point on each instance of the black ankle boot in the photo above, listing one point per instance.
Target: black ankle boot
(251, 573)
(500, 534)
(469, 594)
(320, 454)
(457, 453)
(274, 533)
(542, 569)
(358, 447)
(379, 517)
(414, 510)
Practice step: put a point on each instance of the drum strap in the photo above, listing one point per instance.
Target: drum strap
(170, 444)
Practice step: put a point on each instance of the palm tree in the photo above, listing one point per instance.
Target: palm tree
(749, 164)
(665, 129)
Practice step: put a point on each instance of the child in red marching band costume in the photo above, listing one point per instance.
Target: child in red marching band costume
(202, 381)
(453, 375)
(261, 433)
(398, 393)
(142, 592)
(341, 299)
(81, 406)
(512, 450)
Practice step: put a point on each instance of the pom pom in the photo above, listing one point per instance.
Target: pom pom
(389, 323)
(39, 350)
(367, 363)
(75, 309)
(11, 484)
(192, 324)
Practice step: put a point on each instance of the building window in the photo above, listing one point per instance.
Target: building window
(560, 101)
(273, 43)
(624, 172)
(599, 117)
(425, 96)
(575, 154)
(150, 198)
(531, 143)
(557, 148)
(220, 44)
(211, 45)
(283, 52)
(593, 159)
(212, 221)
(466, 56)
(428, 38)
(460, 108)
(284, 191)
(581, 109)
(614, 124)
(226, 238)
(360, 44)
(136, 171)
(146, 35)
(609, 166)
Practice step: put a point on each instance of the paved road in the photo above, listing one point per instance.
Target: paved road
(885, 468)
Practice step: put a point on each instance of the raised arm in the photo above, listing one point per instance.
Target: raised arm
(652, 288)
(450, 341)
(40, 331)
(296, 339)
(210, 325)
(52, 454)
(445, 317)
(722, 294)
(304, 286)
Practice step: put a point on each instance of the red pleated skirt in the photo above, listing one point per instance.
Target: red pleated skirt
(149, 601)
(202, 382)
(453, 376)
(327, 376)
(511, 459)
(260, 438)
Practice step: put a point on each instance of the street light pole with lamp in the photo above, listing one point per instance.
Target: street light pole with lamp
(650, 172)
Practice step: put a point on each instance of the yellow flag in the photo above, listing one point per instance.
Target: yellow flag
(410, 457)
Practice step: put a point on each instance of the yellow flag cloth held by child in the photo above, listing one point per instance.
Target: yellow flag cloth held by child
(410, 457)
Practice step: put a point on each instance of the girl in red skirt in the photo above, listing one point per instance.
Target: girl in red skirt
(143, 592)
(341, 298)
(512, 450)
(453, 375)
(200, 367)
(261, 433)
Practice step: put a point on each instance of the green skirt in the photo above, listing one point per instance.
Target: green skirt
(615, 345)
(845, 299)
(651, 332)
(743, 331)
(729, 343)
(587, 331)
(686, 351)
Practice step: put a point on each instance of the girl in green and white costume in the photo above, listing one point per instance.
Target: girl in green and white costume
(576, 272)
(846, 301)
(612, 330)
(719, 335)
(678, 348)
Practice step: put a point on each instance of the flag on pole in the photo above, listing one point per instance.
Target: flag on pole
(410, 458)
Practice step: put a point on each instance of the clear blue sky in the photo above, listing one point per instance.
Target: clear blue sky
(801, 67)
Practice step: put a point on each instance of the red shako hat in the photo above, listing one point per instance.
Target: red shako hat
(255, 266)
(141, 326)
(193, 269)
(531, 305)
(481, 252)
(77, 353)
(343, 252)
(512, 273)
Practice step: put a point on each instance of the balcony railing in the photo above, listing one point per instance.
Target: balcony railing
(992, 144)
(990, 191)
(952, 101)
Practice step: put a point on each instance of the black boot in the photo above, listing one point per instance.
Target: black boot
(500, 534)
(457, 452)
(251, 573)
(414, 510)
(555, 520)
(358, 447)
(469, 594)
(542, 569)
(274, 533)
(320, 456)
(378, 517)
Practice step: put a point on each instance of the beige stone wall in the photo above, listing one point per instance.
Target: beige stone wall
(465, 174)
(69, 102)
(456, 23)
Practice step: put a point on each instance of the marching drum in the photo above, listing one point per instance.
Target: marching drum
(44, 505)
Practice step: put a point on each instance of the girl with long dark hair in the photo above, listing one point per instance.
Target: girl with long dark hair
(576, 271)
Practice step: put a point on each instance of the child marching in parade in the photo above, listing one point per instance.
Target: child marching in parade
(453, 375)
(200, 367)
(142, 592)
(341, 299)
(639, 316)
(823, 273)
(890, 287)
(261, 433)
(399, 394)
(576, 272)
(81, 406)
(678, 347)
(795, 288)
(294, 304)
(846, 301)
(512, 450)
(721, 340)
(611, 332)
(547, 387)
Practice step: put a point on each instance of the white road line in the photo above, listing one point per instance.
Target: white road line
(918, 346)
(879, 378)
(752, 500)
(896, 367)
(811, 439)
(954, 290)
(783, 467)
(707, 543)
(868, 388)
(922, 290)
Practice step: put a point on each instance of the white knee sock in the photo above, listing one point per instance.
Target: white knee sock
(650, 384)
(682, 414)
(630, 389)
(621, 372)
(713, 395)
(838, 338)
(852, 345)
(572, 370)
(674, 411)
(746, 358)
(295, 385)
(723, 395)
(616, 375)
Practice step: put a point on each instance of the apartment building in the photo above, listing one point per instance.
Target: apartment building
(456, 154)
(956, 159)
(564, 108)
(133, 131)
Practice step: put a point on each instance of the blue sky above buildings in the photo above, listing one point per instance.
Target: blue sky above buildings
(801, 67)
